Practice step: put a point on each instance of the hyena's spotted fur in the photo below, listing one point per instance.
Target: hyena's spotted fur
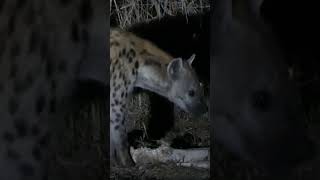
(43, 47)
(136, 62)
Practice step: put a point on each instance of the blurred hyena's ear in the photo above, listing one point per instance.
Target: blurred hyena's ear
(190, 60)
(174, 68)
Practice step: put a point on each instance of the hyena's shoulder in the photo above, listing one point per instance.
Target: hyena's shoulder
(127, 45)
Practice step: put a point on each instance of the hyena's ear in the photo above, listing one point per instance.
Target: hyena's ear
(190, 60)
(174, 68)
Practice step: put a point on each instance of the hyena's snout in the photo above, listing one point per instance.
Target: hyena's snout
(198, 108)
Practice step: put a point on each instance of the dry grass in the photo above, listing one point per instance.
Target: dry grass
(133, 11)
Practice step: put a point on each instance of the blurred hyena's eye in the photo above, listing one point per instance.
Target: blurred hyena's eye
(261, 99)
(191, 93)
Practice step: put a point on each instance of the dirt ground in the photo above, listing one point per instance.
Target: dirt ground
(159, 172)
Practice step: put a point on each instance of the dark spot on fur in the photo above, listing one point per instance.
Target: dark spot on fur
(133, 72)
(117, 88)
(52, 106)
(2, 2)
(20, 4)
(132, 53)
(26, 169)
(122, 122)
(86, 11)
(123, 52)
(29, 18)
(130, 59)
(136, 64)
(13, 70)
(49, 69)
(40, 104)
(116, 127)
(112, 105)
(118, 115)
(43, 141)
(116, 102)
(33, 41)
(75, 32)
(15, 50)
(13, 105)
(62, 66)
(85, 36)
(117, 119)
(21, 127)
(132, 43)
(35, 131)
(12, 154)
(36, 153)
(44, 48)
(8, 137)
(122, 94)
(114, 94)
(53, 85)
(30, 78)
(11, 24)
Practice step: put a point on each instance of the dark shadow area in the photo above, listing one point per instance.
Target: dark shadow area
(162, 116)
(82, 138)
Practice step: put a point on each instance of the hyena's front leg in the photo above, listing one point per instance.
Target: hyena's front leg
(119, 147)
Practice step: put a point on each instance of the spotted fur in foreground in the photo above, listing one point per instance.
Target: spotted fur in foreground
(136, 62)
(45, 47)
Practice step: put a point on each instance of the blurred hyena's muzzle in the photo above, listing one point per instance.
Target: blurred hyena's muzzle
(199, 108)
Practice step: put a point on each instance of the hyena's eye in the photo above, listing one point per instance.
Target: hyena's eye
(191, 93)
(261, 99)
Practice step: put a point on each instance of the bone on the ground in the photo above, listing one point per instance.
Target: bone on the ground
(197, 157)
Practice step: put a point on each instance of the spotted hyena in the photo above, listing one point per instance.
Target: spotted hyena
(136, 62)
(46, 48)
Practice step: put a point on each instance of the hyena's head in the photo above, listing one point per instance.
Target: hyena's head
(257, 112)
(185, 89)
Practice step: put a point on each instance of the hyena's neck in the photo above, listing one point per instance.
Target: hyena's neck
(152, 74)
